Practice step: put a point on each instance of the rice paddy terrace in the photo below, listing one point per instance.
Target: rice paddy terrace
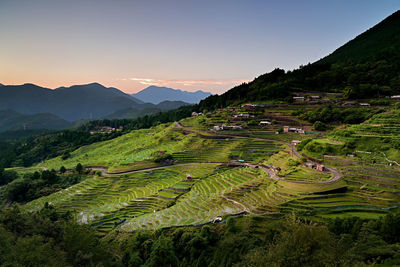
(213, 175)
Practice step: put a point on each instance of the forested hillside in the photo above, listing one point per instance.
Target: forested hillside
(365, 67)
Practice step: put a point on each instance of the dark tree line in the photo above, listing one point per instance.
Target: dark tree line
(49, 238)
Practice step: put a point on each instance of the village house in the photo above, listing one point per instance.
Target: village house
(227, 127)
(315, 97)
(252, 107)
(318, 167)
(264, 123)
(242, 115)
(299, 98)
(276, 169)
(397, 97)
(104, 129)
(287, 129)
(231, 127)
(349, 103)
(310, 165)
(217, 219)
(364, 104)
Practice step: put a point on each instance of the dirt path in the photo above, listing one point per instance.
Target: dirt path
(236, 203)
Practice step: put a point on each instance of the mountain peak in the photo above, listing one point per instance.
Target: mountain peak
(157, 94)
(382, 40)
(95, 84)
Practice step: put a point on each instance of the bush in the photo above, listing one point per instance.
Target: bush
(79, 168)
(252, 123)
(319, 126)
(63, 169)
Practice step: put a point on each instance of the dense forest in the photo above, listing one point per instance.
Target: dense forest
(48, 238)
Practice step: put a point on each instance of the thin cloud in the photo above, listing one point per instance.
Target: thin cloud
(148, 81)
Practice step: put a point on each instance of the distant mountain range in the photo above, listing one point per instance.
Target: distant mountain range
(89, 101)
(13, 121)
(154, 94)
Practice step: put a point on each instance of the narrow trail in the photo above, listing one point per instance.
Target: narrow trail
(243, 207)
(390, 161)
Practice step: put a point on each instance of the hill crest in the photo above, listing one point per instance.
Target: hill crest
(155, 94)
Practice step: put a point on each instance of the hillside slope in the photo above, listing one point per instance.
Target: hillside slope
(12, 121)
(368, 66)
(145, 109)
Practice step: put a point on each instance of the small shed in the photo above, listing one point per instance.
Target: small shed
(310, 165)
(285, 129)
(189, 177)
(264, 123)
(217, 219)
(321, 168)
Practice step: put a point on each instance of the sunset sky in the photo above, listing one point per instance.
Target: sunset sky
(190, 45)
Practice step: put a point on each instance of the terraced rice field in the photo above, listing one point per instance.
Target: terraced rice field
(105, 201)
(203, 202)
(371, 192)
(255, 150)
(127, 149)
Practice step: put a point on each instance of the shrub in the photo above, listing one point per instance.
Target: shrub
(319, 126)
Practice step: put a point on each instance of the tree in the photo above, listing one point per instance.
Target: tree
(63, 169)
(319, 126)
(252, 123)
(79, 168)
(162, 253)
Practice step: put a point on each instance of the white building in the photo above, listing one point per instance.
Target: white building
(264, 123)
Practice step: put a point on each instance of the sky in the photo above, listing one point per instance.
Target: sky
(189, 45)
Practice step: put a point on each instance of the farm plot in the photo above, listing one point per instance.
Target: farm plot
(212, 150)
(105, 201)
(371, 192)
(306, 175)
(127, 149)
(202, 203)
(255, 150)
